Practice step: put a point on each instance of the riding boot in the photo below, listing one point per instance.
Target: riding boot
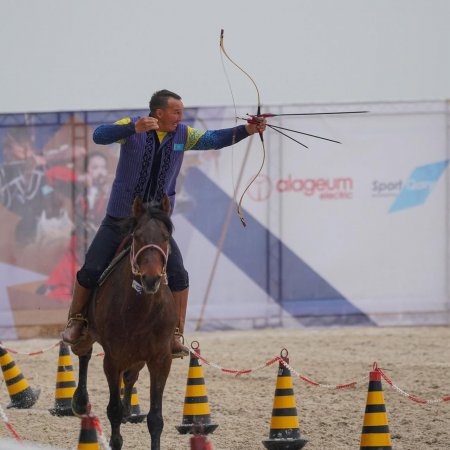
(178, 348)
(77, 323)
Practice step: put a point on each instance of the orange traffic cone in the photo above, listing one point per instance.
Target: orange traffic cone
(21, 394)
(375, 431)
(196, 407)
(136, 415)
(284, 426)
(88, 434)
(65, 383)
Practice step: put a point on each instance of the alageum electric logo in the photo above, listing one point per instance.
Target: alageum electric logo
(415, 190)
(338, 188)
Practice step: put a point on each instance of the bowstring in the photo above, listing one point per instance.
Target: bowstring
(222, 47)
(233, 140)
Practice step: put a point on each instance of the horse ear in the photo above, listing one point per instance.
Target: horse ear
(138, 207)
(165, 204)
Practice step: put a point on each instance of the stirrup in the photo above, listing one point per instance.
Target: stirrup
(178, 334)
(180, 338)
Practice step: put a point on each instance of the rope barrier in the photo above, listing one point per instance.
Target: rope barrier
(413, 398)
(316, 384)
(307, 380)
(101, 436)
(238, 372)
(9, 425)
(37, 352)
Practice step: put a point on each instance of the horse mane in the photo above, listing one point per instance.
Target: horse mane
(153, 211)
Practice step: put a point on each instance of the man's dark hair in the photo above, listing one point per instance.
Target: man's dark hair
(160, 99)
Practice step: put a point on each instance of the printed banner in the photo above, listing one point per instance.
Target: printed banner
(345, 224)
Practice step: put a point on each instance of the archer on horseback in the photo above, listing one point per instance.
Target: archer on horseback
(151, 154)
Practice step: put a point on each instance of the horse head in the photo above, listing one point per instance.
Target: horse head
(150, 245)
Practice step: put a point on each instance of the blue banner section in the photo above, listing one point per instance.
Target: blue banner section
(419, 186)
(291, 282)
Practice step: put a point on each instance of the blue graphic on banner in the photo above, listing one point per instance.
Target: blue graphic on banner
(291, 282)
(419, 186)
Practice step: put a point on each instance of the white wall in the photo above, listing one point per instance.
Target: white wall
(110, 54)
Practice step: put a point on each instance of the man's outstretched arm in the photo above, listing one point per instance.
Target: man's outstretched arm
(216, 139)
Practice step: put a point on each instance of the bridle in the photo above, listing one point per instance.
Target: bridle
(134, 256)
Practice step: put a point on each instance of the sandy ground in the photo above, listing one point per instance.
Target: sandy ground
(417, 360)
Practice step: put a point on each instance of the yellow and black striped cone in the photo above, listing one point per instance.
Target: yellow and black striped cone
(65, 383)
(88, 434)
(21, 394)
(136, 415)
(196, 406)
(375, 431)
(284, 426)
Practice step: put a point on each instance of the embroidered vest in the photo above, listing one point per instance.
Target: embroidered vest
(135, 164)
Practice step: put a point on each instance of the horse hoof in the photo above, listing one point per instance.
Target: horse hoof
(79, 412)
(80, 405)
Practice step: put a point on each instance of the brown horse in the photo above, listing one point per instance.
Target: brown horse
(132, 316)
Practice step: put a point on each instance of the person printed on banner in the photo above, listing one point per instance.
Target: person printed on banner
(21, 180)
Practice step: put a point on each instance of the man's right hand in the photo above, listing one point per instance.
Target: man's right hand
(145, 124)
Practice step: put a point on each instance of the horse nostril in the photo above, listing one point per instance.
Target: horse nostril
(151, 284)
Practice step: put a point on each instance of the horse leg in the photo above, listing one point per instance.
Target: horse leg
(80, 399)
(114, 409)
(129, 379)
(159, 371)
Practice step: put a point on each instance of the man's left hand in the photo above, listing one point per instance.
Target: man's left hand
(257, 125)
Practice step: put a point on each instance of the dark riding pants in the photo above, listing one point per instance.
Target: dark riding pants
(103, 249)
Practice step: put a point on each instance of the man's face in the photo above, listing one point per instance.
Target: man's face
(171, 116)
(97, 170)
(17, 150)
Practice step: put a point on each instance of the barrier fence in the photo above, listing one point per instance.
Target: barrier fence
(282, 360)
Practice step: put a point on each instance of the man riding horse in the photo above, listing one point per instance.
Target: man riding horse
(151, 154)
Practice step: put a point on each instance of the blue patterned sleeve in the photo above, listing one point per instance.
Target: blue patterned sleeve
(215, 139)
(110, 133)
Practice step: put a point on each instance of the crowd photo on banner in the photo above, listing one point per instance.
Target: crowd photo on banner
(53, 194)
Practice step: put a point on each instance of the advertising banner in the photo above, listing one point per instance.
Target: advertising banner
(346, 223)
